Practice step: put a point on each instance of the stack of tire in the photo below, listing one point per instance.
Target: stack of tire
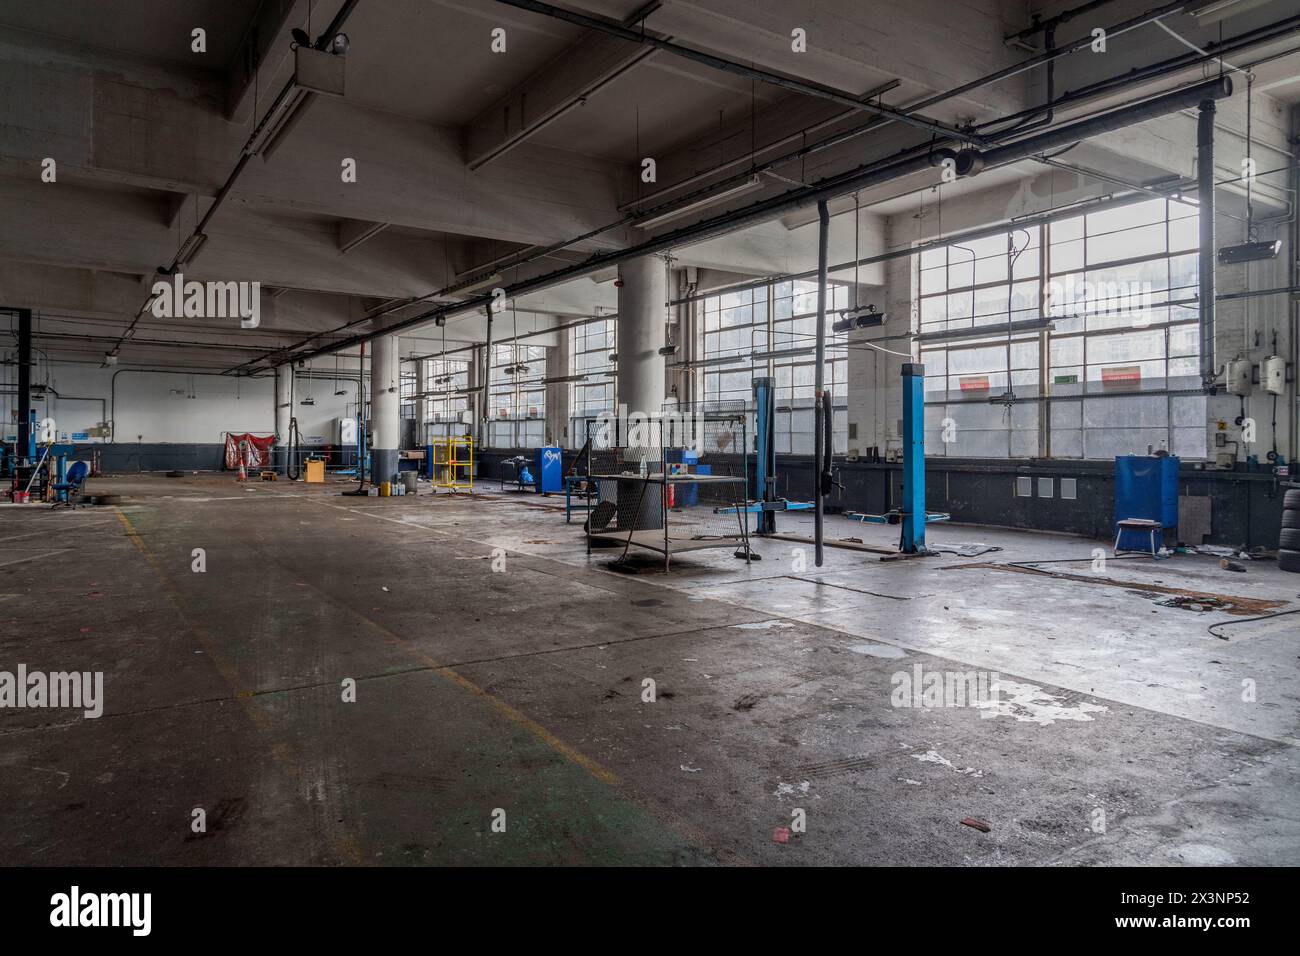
(1288, 543)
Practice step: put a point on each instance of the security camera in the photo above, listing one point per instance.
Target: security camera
(339, 45)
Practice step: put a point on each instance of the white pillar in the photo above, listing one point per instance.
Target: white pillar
(642, 315)
(385, 407)
(283, 409)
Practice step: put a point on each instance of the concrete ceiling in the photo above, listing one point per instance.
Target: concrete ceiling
(156, 30)
(466, 156)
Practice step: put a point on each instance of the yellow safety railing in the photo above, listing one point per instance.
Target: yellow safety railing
(453, 462)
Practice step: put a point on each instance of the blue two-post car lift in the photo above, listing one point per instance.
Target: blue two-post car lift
(911, 513)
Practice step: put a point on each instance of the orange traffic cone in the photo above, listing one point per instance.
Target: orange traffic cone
(243, 474)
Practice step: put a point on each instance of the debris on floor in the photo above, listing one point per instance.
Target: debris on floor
(965, 550)
(1194, 603)
(976, 824)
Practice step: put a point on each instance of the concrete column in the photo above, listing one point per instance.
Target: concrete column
(385, 407)
(283, 410)
(558, 394)
(642, 312)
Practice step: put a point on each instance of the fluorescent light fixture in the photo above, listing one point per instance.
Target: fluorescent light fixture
(476, 285)
(559, 379)
(191, 248)
(1249, 252)
(1212, 11)
(784, 353)
(277, 124)
(748, 186)
(987, 331)
(668, 350)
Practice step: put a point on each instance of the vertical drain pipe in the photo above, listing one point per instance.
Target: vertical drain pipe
(486, 383)
(1205, 203)
(24, 383)
(819, 490)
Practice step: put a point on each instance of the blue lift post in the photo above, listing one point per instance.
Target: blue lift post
(913, 505)
(766, 504)
(911, 513)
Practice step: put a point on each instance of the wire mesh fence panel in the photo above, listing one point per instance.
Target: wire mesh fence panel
(666, 499)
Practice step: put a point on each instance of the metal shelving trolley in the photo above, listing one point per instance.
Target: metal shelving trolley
(683, 490)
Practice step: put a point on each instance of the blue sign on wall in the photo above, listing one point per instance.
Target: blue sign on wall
(80, 436)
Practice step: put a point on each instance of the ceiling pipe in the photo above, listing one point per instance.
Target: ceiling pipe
(820, 408)
(194, 241)
(1252, 38)
(1205, 193)
(863, 177)
(739, 69)
(1213, 51)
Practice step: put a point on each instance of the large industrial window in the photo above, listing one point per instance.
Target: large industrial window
(408, 387)
(517, 396)
(1125, 347)
(590, 346)
(1113, 373)
(778, 323)
(447, 402)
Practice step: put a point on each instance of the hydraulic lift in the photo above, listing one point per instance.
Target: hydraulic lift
(911, 513)
(767, 505)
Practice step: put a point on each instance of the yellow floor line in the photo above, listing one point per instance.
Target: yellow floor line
(347, 847)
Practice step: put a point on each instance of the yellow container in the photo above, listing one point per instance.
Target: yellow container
(385, 489)
(315, 470)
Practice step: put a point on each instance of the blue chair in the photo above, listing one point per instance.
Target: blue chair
(69, 489)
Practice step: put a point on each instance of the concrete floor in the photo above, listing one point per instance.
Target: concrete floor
(521, 690)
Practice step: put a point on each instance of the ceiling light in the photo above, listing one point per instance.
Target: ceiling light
(712, 199)
(191, 248)
(1212, 11)
(1249, 252)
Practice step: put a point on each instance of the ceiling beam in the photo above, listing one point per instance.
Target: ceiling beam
(353, 232)
(564, 83)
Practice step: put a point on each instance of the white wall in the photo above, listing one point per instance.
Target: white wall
(142, 404)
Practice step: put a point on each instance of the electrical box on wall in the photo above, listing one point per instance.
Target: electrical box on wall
(1237, 377)
(1272, 374)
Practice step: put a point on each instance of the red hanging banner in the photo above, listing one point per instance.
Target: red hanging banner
(256, 450)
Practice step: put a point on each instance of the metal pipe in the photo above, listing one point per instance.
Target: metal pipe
(24, 382)
(819, 381)
(486, 383)
(1052, 215)
(1038, 26)
(334, 26)
(740, 69)
(1205, 195)
(868, 175)
(1293, 275)
(1070, 133)
(1175, 64)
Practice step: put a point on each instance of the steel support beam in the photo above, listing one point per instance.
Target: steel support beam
(1205, 197)
(819, 382)
(24, 382)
